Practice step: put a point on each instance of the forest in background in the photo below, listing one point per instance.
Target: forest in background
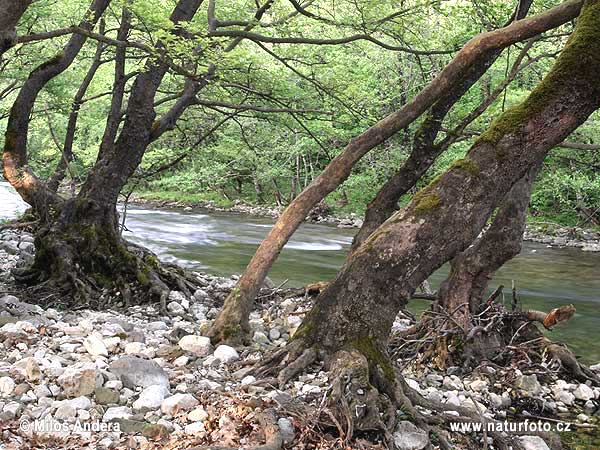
(276, 114)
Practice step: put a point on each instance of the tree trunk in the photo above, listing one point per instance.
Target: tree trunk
(424, 150)
(10, 14)
(232, 322)
(16, 169)
(460, 295)
(359, 306)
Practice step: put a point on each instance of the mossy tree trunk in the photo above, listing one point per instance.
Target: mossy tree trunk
(232, 322)
(461, 294)
(351, 320)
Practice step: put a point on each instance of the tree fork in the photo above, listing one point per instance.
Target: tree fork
(232, 322)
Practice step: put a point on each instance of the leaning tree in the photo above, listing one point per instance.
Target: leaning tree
(359, 306)
(464, 70)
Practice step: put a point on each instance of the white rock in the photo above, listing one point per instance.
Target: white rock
(495, 400)
(248, 380)
(226, 354)
(7, 386)
(181, 361)
(79, 403)
(286, 428)
(64, 412)
(530, 384)
(197, 414)
(95, 346)
(132, 348)
(260, 338)
(274, 334)
(478, 385)
(198, 345)
(583, 418)
(175, 308)
(150, 398)
(583, 392)
(533, 443)
(566, 397)
(78, 380)
(117, 412)
(194, 428)
(408, 437)
(178, 402)
(114, 384)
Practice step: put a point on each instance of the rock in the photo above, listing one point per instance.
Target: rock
(198, 345)
(495, 400)
(194, 428)
(175, 309)
(533, 443)
(566, 397)
(248, 380)
(32, 371)
(7, 386)
(226, 354)
(11, 410)
(65, 412)
(150, 398)
(274, 334)
(132, 348)
(117, 412)
(260, 338)
(589, 407)
(78, 380)
(178, 402)
(134, 371)
(408, 437)
(106, 396)
(286, 428)
(583, 418)
(529, 384)
(79, 403)
(197, 414)
(584, 392)
(95, 346)
(478, 385)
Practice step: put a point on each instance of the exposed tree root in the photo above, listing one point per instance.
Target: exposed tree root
(95, 272)
(495, 335)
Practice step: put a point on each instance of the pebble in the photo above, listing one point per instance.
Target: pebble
(226, 354)
(198, 345)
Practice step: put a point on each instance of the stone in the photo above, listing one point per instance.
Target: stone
(117, 412)
(495, 400)
(533, 443)
(7, 386)
(65, 412)
(178, 402)
(226, 354)
(248, 380)
(274, 334)
(408, 437)
(175, 309)
(194, 428)
(77, 381)
(150, 398)
(529, 384)
(583, 418)
(106, 396)
(197, 414)
(583, 392)
(478, 385)
(95, 346)
(566, 397)
(286, 428)
(32, 371)
(198, 345)
(134, 371)
(260, 338)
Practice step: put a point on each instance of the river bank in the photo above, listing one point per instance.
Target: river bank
(152, 379)
(545, 233)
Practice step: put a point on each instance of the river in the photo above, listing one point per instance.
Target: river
(222, 243)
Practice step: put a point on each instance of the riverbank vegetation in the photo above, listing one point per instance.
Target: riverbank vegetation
(442, 123)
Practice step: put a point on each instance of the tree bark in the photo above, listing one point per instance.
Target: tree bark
(360, 305)
(462, 292)
(16, 169)
(232, 321)
(424, 149)
(10, 14)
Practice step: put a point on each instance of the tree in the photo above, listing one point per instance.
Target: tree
(442, 220)
(232, 322)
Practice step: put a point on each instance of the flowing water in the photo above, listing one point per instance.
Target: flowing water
(222, 244)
